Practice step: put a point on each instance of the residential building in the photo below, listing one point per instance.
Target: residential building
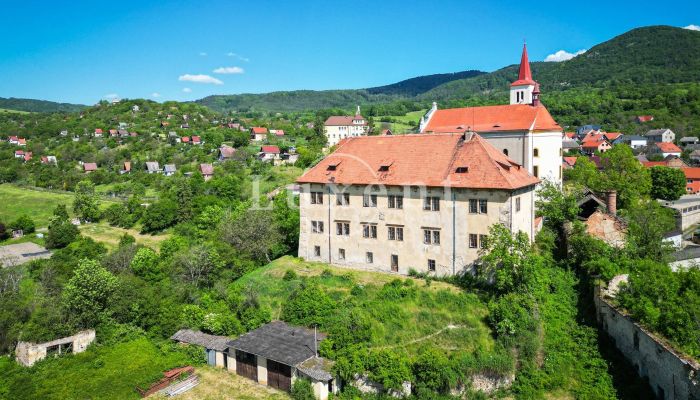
(49, 160)
(152, 167)
(660, 135)
(569, 162)
(98, 132)
(196, 140)
(644, 118)
(692, 179)
(523, 130)
(689, 140)
(126, 168)
(595, 143)
(169, 169)
(258, 133)
(687, 210)
(665, 149)
(568, 144)
(226, 152)
(207, 171)
(422, 202)
(89, 167)
(269, 153)
(633, 141)
(339, 127)
(695, 156)
(670, 161)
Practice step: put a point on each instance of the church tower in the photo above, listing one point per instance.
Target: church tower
(523, 90)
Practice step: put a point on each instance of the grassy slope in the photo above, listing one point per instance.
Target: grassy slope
(102, 372)
(399, 324)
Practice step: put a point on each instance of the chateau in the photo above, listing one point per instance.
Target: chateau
(339, 127)
(523, 130)
(422, 202)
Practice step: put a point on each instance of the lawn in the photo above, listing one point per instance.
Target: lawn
(39, 205)
(110, 235)
(6, 111)
(101, 372)
(403, 124)
(440, 314)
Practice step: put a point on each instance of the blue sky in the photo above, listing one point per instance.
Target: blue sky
(82, 51)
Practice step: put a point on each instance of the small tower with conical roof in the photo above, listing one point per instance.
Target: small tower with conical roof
(522, 90)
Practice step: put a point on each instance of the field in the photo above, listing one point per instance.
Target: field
(6, 111)
(440, 314)
(403, 124)
(110, 235)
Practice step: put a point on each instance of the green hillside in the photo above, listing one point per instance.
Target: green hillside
(32, 105)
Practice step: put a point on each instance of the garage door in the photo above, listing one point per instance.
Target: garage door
(279, 375)
(246, 365)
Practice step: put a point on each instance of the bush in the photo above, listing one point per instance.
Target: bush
(23, 223)
(302, 390)
(289, 275)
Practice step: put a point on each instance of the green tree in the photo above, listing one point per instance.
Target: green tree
(667, 183)
(184, 195)
(88, 294)
(159, 216)
(23, 223)
(556, 206)
(302, 390)
(254, 233)
(508, 260)
(309, 305)
(625, 174)
(287, 219)
(648, 223)
(61, 230)
(146, 264)
(86, 204)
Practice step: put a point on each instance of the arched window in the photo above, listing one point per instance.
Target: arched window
(536, 152)
(505, 151)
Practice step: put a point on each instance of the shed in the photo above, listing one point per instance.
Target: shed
(169, 169)
(152, 167)
(214, 346)
(276, 354)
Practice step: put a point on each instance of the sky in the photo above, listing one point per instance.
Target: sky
(84, 51)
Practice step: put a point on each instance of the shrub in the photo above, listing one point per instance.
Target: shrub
(289, 275)
(23, 223)
(302, 390)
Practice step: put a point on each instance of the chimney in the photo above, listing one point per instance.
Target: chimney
(611, 202)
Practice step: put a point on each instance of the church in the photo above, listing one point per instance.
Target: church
(523, 130)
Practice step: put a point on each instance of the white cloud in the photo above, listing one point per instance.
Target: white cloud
(563, 55)
(111, 96)
(229, 70)
(201, 78)
(155, 94)
(238, 56)
(692, 27)
(187, 90)
(203, 54)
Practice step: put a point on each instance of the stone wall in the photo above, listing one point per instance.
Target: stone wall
(28, 353)
(670, 374)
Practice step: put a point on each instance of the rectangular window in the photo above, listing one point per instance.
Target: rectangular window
(431, 204)
(482, 241)
(369, 256)
(396, 233)
(317, 251)
(316, 197)
(317, 226)
(536, 171)
(472, 241)
(342, 228)
(395, 202)
(341, 254)
(473, 206)
(369, 200)
(483, 204)
(517, 204)
(431, 236)
(369, 231)
(431, 265)
(395, 262)
(342, 199)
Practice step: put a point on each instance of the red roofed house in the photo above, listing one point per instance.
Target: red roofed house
(387, 202)
(339, 127)
(27, 156)
(89, 167)
(665, 149)
(258, 133)
(269, 153)
(196, 140)
(207, 171)
(13, 139)
(19, 153)
(49, 160)
(126, 168)
(185, 139)
(569, 162)
(21, 142)
(523, 130)
(597, 143)
(113, 133)
(645, 118)
(226, 152)
(98, 132)
(692, 179)
(671, 162)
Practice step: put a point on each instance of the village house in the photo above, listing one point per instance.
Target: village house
(207, 171)
(523, 130)
(582, 130)
(169, 169)
(339, 127)
(98, 132)
(123, 133)
(152, 167)
(126, 168)
(633, 141)
(287, 158)
(600, 218)
(644, 118)
(277, 132)
(597, 143)
(49, 160)
(89, 167)
(19, 153)
(258, 133)
(269, 153)
(214, 346)
(21, 142)
(692, 179)
(277, 354)
(568, 162)
(226, 152)
(185, 139)
(368, 206)
(660, 135)
(113, 133)
(12, 139)
(689, 140)
(695, 156)
(664, 148)
(63, 133)
(196, 140)
(670, 162)
(185, 126)
(568, 144)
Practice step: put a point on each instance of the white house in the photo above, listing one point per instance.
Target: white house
(660, 135)
(339, 127)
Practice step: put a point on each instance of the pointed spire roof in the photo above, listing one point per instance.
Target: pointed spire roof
(524, 75)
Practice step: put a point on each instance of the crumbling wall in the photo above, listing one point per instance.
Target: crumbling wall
(28, 353)
(670, 374)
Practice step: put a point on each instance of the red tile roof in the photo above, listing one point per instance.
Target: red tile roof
(196, 139)
(612, 135)
(668, 147)
(279, 132)
(692, 173)
(258, 130)
(27, 156)
(430, 160)
(98, 130)
(127, 166)
(571, 161)
(90, 166)
(185, 139)
(270, 149)
(206, 169)
(570, 135)
(513, 117)
(693, 187)
(344, 120)
(645, 118)
(650, 164)
(524, 74)
(19, 152)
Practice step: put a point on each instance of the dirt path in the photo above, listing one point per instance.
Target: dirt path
(449, 327)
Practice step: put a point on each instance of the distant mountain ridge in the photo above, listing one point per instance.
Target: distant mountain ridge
(648, 55)
(33, 105)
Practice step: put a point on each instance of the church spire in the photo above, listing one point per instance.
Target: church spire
(524, 74)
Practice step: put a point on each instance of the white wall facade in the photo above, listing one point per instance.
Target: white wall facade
(336, 133)
(521, 94)
(454, 221)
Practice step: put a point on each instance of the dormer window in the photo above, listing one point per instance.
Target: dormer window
(333, 166)
(462, 170)
(384, 168)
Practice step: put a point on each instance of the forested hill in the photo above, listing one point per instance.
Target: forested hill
(645, 56)
(32, 105)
